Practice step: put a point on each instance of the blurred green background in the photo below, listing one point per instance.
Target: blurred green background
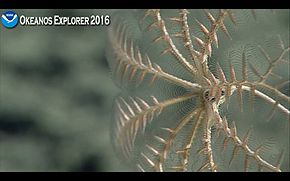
(56, 96)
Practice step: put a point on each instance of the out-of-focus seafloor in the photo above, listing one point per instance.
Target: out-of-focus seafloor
(56, 96)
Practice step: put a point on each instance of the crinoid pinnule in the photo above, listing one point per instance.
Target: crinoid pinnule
(202, 90)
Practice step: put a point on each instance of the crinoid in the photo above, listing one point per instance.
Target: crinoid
(203, 90)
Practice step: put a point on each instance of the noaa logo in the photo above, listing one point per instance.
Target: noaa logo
(9, 19)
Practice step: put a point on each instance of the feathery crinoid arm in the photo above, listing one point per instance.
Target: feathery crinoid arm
(132, 115)
(255, 69)
(256, 61)
(259, 74)
(204, 90)
(272, 112)
(129, 65)
(251, 156)
(143, 77)
(190, 46)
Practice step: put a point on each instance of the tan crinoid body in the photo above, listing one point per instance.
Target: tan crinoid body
(203, 90)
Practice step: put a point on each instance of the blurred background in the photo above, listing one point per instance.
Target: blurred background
(56, 96)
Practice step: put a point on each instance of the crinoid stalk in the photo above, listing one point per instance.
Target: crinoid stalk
(202, 90)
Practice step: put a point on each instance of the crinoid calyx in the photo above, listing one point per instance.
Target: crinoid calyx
(202, 90)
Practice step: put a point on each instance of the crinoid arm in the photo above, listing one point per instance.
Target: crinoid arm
(127, 62)
(242, 144)
(261, 86)
(132, 116)
(202, 90)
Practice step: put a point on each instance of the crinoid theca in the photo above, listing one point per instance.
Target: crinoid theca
(202, 90)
